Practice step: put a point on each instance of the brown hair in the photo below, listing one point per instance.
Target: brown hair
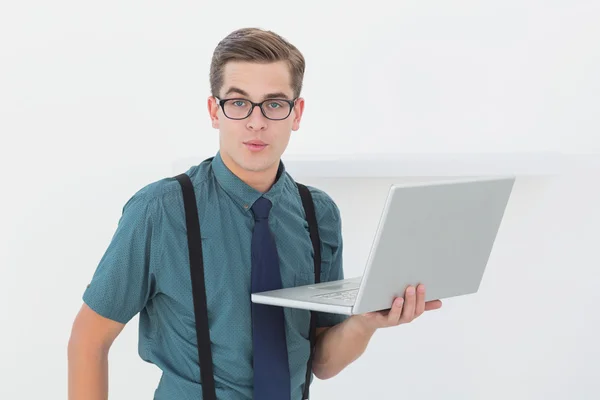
(255, 45)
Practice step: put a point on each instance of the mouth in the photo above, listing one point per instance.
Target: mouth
(255, 145)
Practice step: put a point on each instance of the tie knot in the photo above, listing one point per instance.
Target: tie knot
(261, 208)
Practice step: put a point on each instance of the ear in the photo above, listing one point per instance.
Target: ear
(213, 111)
(297, 113)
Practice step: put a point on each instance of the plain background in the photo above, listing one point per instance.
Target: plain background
(99, 99)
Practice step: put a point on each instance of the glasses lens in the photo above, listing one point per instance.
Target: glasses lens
(276, 109)
(237, 108)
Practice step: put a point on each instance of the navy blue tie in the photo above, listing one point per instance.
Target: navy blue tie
(271, 368)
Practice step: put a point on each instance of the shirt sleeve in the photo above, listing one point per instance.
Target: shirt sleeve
(330, 232)
(124, 280)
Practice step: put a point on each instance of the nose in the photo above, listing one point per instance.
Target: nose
(256, 120)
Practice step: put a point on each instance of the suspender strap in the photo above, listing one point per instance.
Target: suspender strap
(309, 209)
(198, 288)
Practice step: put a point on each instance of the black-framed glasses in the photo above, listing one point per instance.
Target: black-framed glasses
(273, 109)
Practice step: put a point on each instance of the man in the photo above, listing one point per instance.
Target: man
(256, 80)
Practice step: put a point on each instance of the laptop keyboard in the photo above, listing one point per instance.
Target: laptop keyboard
(343, 295)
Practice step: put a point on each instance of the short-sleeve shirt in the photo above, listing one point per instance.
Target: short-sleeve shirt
(146, 270)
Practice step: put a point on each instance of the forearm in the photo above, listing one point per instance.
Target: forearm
(88, 372)
(339, 346)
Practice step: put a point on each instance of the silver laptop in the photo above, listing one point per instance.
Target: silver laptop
(438, 233)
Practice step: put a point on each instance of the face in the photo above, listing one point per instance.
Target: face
(238, 138)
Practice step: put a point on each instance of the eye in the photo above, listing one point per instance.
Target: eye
(275, 104)
(239, 103)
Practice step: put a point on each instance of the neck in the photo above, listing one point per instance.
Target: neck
(258, 180)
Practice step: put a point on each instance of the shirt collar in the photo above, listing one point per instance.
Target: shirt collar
(240, 192)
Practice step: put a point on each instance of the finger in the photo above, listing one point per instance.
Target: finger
(408, 311)
(420, 306)
(395, 312)
(433, 305)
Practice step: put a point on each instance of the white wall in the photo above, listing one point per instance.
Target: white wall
(97, 100)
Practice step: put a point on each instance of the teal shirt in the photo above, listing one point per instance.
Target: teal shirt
(145, 270)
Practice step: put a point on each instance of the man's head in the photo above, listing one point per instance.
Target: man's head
(253, 65)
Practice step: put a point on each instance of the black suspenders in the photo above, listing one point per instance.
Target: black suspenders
(199, 290)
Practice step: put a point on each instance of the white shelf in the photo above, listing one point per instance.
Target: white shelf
(443, 164)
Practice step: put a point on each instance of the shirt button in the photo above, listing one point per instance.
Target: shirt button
(246, 206)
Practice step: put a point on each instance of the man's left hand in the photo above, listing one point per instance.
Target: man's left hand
(403, 311)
